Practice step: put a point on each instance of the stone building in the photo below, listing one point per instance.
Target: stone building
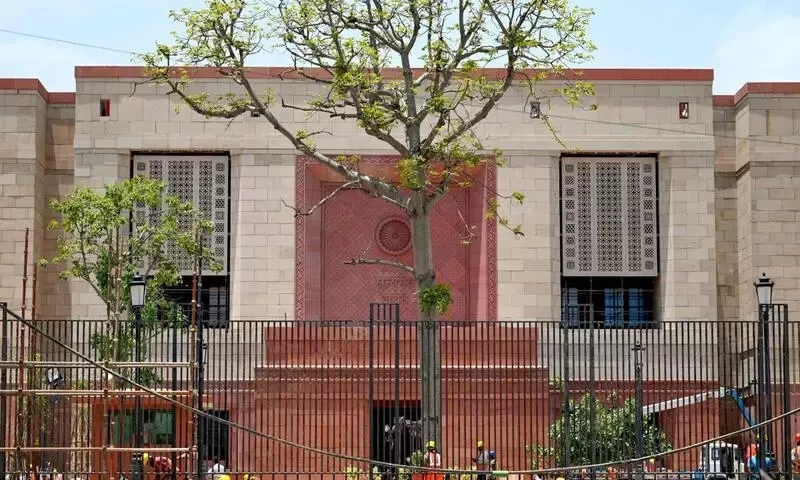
(677, 200)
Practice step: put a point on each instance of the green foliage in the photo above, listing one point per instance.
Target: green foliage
(355, 473)
(435, 298)
(415, 460)
(615, 435)
(102, 244)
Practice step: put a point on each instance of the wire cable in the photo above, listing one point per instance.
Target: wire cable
(340, 456)
(67, 42)
(560, 117)
(370, 462)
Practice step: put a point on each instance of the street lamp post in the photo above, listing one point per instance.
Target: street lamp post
(637, 359)
(138, 288)
(763, 287)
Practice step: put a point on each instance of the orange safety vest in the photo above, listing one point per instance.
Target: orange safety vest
(433, 460)
(796, 463)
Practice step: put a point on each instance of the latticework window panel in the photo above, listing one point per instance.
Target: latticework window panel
(608, 217)
(201, 180)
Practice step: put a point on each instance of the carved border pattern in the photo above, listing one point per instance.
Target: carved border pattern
(300, 239)
(301, 165)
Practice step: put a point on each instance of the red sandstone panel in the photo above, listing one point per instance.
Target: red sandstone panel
(352, 225)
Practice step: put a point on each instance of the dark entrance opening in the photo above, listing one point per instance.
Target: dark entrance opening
(215, 436)
(389, 432)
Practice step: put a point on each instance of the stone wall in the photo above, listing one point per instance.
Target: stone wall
(636, 112)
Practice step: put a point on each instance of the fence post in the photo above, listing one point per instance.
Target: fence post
(567, 412)
(202, 421)
(396, 313)
(592, 405)
(174, 397)
(787, 420)
(4, 387)
(371, 374)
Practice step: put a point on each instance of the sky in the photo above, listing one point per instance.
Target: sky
(742, 40)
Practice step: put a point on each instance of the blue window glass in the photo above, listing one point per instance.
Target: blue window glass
(635, 304)
(614, 307)
(569, 301)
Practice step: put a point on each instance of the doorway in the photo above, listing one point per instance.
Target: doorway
(395, 441)
(215, 436)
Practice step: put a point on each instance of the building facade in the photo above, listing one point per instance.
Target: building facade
(657, 210)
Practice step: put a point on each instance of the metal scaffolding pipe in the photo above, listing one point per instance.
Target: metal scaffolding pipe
(84, 365)
(89, 393)
(97, 449)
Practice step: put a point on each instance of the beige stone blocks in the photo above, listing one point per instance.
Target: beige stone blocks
(527, 284)
(262, 250)
(687, 243)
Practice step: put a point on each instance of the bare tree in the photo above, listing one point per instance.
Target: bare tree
(435, 50)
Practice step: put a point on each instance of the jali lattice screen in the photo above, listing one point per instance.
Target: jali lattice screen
(609, 216)
(202, 180)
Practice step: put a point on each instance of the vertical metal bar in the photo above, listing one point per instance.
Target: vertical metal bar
(787, 420)
(768, 437)
(396, 313)
(200, 369)
(20, 434)
(174, 397)
(592, 404)
(371, 348)
(4, 387)
(194, 419)
(567, 412)
(760, 379)
(138, 373)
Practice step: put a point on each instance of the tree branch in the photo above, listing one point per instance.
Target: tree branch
(363, 260)
(378, 261)
(301, 213)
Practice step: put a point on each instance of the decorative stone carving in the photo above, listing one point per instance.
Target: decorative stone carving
(608, 216)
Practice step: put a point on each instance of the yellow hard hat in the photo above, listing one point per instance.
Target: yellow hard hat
(145, 458)
(480, 443)
(652, 460)
(431, 444)
(224, 477)
(246, 476)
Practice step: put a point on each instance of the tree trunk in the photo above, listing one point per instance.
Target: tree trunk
(430, 356)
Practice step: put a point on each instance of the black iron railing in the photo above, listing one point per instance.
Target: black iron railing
(534, 392)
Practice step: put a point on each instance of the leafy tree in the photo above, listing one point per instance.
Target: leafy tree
(101, 243)
(614, 434)
(427, 115)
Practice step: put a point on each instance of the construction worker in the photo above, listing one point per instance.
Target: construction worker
(162, 466)
(751, 456)
(481, 460)
(431, 459)
(650, 466)
(796, 458)
(612, 474)
(217, 469)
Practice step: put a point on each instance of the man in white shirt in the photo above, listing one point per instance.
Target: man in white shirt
(432, 458)
(217, 469)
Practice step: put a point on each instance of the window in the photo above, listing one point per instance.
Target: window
(609, 241)
(212, 297)
(608, 302)
(105, 108)
(203, 180)
(157, 427)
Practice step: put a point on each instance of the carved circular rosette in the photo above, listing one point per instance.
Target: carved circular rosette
(394, 236)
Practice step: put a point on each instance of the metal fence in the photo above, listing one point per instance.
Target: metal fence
(538, 394)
